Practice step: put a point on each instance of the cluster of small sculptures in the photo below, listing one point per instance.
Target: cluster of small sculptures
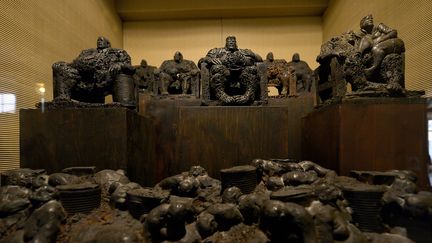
(291, 202)
(371, 61)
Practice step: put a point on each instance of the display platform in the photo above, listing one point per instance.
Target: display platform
(218, 137)
(108, 138)
(369, 134)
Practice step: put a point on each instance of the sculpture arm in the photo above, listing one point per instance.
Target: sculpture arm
(386, 33)
(251, 56)
(212, 57)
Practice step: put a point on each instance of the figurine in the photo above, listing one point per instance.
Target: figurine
(304, 73)
(178, 76)
(277, 73)
(144, 76)
(94, 74)
(372, 61)
(233, 74)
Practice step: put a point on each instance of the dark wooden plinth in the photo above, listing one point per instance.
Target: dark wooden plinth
(369, 134)
(108, 138)
(218, 137)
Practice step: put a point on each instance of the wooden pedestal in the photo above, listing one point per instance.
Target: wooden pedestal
(369, 134)
(218, 137)
(108, 138)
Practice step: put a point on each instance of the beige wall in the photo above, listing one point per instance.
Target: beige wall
(33, 35)
(412, 19)
(156, 41)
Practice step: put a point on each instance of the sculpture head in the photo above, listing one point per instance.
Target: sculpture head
(366, 23)
(143, 63)
(296, 57)
(103, 43)
(270, 57)
(231, 43)
(178, 57)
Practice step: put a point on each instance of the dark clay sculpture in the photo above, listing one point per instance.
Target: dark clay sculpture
(287, 222)
(56, 179)
(372, 61)
(178, 76)
(231, 195)
(118, 197)
(22, 177)
(233, 74)
(110, 179)
(44, 223)
(277, 73)
(95, 73)
(295, 201)
(13, 199)
(144, 76)
(190, 184)
(250, 206)
(168, 221)
(304, 74)
(226, 215)
(44, 194)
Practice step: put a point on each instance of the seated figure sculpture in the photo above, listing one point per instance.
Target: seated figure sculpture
(92, 75)
(233, 74)
(178, 76)
(144, 76)
(277, 73)
(372, 61)
(304, 73)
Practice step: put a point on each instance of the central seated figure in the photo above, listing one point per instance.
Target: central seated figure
(233, 75)
(178, 76)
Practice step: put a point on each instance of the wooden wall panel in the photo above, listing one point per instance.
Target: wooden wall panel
(369, 134)
(218, 137)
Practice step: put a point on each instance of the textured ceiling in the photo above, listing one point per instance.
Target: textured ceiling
(135, 10)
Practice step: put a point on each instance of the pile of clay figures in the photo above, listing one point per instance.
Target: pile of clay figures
(266, 201)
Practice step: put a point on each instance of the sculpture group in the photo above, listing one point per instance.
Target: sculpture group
(371, 61)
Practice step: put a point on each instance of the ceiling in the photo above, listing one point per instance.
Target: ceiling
(139, 10)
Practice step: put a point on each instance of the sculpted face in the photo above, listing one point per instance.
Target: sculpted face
(231, 43)
(178, 57)
(367, 24)
(296, 57)
(143, 63)
(103, 43)
(270, 57)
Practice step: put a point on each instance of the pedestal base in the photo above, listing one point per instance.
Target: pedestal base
(369, 134)
(108, 138)
(218, 137)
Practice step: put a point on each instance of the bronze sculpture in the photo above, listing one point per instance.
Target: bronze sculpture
(304, 73)
(178, 76)
(191, 208)
(95, 73)
(233, 74)
(372, 61)
(277, 73)
(144, 76)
